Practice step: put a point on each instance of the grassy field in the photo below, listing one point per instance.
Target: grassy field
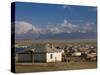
(41, 67)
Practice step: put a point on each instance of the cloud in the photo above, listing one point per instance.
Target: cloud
(89, 27)
(55, 30)
(22, 27)
(65, 27)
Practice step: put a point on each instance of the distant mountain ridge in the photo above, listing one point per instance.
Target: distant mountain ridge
(61, 36)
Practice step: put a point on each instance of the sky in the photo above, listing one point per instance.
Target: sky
(36, 20)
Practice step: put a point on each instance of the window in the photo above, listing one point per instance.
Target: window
(51, 56)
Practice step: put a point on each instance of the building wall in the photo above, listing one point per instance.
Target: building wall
(39, 57)
(54, 57)
(24, 57)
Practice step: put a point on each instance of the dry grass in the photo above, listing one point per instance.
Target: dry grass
(40, 67)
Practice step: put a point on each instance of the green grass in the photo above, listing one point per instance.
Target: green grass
(40, 67)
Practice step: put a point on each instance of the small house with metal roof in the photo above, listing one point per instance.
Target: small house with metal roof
(39, 53)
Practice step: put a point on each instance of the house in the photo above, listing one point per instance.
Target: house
(39, 53)
(76, 54)
(92, 56)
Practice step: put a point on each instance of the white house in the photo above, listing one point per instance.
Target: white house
(76, 54)
(40, 53)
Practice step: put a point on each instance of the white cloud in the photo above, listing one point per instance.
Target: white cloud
(22, 27)
(89, 27)
(67, 27)
(55, 30)
(82, 31)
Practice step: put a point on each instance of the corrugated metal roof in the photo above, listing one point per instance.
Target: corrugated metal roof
(21, 50)
(37, 48)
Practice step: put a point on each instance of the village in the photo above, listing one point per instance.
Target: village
(49, 55)
(56, 52)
